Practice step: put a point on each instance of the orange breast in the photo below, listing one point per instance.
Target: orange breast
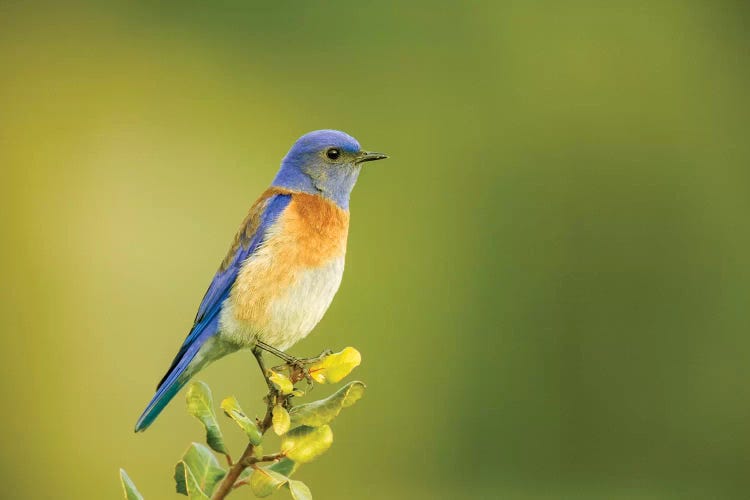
(310, 233)
(320, 227)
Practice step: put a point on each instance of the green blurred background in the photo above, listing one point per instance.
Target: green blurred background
(548, 280)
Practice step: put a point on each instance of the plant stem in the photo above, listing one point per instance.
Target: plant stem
(265, 458)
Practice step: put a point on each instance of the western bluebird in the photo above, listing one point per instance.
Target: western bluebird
(284, 266)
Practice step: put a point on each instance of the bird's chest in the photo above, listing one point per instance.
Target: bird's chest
(292, 315)
(285, 287)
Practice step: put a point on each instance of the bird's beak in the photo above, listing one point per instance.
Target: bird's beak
(369, 156)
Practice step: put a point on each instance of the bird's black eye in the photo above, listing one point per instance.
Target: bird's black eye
(333, 153)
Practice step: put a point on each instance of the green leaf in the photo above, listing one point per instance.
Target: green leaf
(264, 481)
(201, 405)
(304, 444)
(233, 410)
(283, 466)
(322, 412)
(299, 490)
(334, 367)
(281, 381)
(128, 487)
(198, 472)
(281, 420)
(187, 484)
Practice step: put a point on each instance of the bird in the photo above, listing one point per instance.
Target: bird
(283, 267)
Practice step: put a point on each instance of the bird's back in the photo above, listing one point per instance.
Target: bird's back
(284, 288)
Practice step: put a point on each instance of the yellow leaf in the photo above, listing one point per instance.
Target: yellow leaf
(304, 444)
(233, 410)
(335, 367)
(281, 382)
(281, 420)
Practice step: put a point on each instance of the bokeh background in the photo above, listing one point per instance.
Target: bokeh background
(548, 280)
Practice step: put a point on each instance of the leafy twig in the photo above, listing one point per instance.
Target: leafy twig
(304, 431)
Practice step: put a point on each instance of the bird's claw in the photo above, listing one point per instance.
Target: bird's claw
(298, 371)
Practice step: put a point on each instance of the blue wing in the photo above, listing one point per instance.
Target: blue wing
(251, 234)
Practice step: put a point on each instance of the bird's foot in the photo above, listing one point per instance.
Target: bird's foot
(299, 371)
(298, 367)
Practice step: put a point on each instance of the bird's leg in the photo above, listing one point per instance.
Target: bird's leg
(258, 353)
(291, 360)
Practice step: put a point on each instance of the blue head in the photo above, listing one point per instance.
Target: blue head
(324, 162)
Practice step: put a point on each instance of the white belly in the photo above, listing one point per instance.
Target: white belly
(292, 314)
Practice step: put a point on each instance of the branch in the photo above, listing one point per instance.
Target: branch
(265, 458)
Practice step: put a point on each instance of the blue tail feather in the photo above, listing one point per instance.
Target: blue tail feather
(183, 368)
